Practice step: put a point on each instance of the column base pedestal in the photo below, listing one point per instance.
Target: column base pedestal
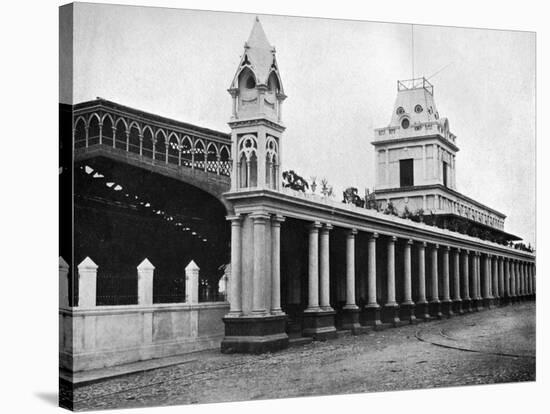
(254, 335)
(407, 313)
(488, 303)
(435, 309)
(447, 308)
(467, 305)
(348, 319)
(423, 311)
(319, 325)
(371, 317)
(477, 305)
(457, 307)
(390, 315)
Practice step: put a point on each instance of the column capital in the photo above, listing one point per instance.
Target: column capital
(315, 226)
(277, 219)
(260, 217)
(446, 248)
(424, 244)
(235, 219)
(327, 227)
(351, 232)
(458, 250)
(373, 236)
(393, 239)
(410, 242)
(435, 246)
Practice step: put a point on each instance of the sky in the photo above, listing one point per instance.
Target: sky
(340, 78)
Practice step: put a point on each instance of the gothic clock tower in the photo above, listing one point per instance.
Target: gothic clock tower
(256, 125)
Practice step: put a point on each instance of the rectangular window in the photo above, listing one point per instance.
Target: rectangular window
(406, 172)
(445, 169)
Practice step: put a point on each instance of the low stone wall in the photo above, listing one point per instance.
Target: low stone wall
(105, 336)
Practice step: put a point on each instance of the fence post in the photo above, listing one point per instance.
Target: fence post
(87, 283)
(145, 282)
(192, 283)
(63, 283)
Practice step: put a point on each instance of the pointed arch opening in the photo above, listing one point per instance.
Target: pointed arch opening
(147, 144)
(134, 139)
(173, 149)
(211, 158)
(200, 155)
(93, 130)
(80, 133)
(186, 151)
(160, 146)
(120, 134)
(107, 131)
(225, 165)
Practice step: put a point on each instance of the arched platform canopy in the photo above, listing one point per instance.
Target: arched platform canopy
(124, 214)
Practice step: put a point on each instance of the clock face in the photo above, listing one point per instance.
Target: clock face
(405, 123)
(400, 111)
(418, 109)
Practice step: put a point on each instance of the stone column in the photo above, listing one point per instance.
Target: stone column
(192, 283)
(276, 264)
(435, 304)
(446, 303)
(407, 306)
(513, 291)
(258, 278)
(501, 287)
(325, 267)
(422, 311)
(457, 301)
(350, 316)
(466, 299)
(372, 309)
(507, 288)
(318, 321)
(524, 274)
(313, 268)
(486, 287)
(63, 283)
(479, 282)
(87, 283)
(391, 309)
(235, 303)
(145, 271)
(494, 283)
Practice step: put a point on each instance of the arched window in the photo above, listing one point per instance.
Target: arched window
(80, 133)
(93, 130)
(147, 145)
(273, 84)
(107, 131)
(160, 146)
(173, 150)
(211, 158)
(120, 134)
(186, 151)
(200, 155)
(134, 139)
(248, 161)
(243, 171)
(253, 166)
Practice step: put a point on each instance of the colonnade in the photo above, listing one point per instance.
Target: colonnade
(460, 280)
(432, 280)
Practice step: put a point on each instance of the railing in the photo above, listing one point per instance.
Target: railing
(143, 288)
(162, 144)
(116, 289)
